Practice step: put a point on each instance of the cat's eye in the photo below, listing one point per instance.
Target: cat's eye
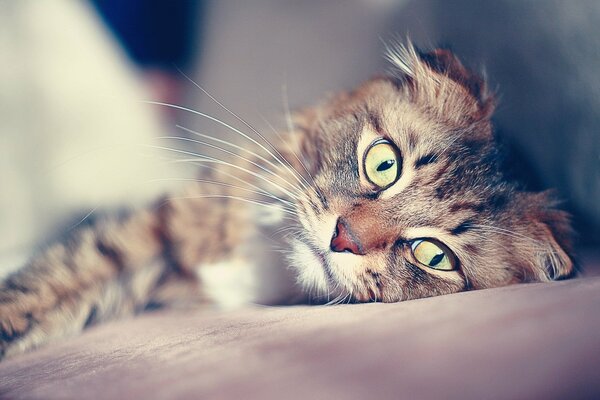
(382, 164)
(433, 254)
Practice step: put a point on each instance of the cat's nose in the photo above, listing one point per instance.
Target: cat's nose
(343, 240)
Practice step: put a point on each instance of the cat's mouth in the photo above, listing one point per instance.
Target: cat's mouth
(333, 272)
(340, 277)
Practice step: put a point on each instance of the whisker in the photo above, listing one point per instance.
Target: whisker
(290, 126)
(218, 196)
(295, 230)
(261, 193)
(506, 232)
(227, 152)
(81, 221)
(229, 144)
(534, 245)
(294, 173)
(205, 158)
(294, 153)
(217, 121)
(258, 189)
(220, 171)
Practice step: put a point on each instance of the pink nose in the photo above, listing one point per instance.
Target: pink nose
(343, 240)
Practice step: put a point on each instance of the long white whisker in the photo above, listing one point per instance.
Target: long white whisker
(204, 158)
(219, 196)
(261, 193)
(290, 123)
(236, 147)
(290, 229)
(86, 216)
(230, 153)
(258, 189)
(220, 171)
(508, 233)
(294, 172)
(294, 153)
(290, 126)
(229, 144)
(218, 121)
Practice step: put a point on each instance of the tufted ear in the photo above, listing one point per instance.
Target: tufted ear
(444, 62)
(441, 80)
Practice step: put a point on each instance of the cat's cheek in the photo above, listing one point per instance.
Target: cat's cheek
(359, 274)
(310, 268)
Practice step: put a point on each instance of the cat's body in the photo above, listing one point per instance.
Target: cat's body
(390, 192)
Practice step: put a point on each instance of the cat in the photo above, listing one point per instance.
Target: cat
(389, 192)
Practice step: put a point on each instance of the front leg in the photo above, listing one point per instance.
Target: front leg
(98, 273)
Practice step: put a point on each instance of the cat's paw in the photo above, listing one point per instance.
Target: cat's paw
(24, 321)
(14, 326)
(32, 318)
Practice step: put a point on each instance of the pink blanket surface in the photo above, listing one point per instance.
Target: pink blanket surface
(536, 341)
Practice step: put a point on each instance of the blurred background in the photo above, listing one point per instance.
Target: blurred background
(77, 135)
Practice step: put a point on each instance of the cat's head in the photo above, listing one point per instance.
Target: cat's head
(409, 200)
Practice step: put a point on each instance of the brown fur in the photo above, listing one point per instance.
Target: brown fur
(437, 114)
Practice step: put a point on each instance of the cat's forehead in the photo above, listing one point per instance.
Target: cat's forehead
(434, 152)
(381, 108)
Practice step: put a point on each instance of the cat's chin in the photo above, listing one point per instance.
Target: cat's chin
(347, 268)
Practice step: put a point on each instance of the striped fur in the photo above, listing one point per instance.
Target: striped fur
(437, 114)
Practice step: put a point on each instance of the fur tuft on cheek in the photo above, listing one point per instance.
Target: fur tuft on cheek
(310, 269)
(553, 232)
(440, 82)
(553, 263)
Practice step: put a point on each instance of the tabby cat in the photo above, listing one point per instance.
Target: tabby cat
(390, 192)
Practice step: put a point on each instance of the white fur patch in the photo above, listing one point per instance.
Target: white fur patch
(255, 273)
(403, 57)
(230, 284)
(310, 268)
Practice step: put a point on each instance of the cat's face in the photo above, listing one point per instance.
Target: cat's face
(408, 199)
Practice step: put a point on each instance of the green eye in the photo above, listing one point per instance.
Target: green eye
(433, 254)
(382, 164)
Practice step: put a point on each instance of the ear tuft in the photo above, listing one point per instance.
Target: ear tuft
(436, 76)
(444, 62)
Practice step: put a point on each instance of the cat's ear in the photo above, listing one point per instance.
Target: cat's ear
(549, 253)
(444, 62)
(439, 79)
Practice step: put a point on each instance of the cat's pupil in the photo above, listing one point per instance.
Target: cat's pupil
(436, 259)
(387, 164)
